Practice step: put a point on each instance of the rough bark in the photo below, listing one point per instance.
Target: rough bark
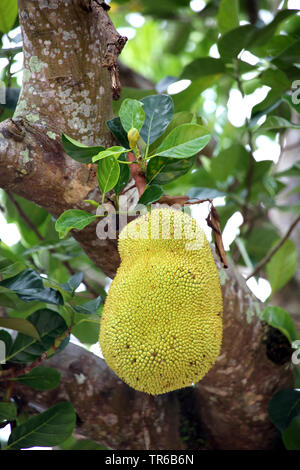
(67, 90)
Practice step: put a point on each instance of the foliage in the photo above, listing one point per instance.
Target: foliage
(187, 145)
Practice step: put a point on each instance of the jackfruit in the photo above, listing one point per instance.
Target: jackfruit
(161, 325)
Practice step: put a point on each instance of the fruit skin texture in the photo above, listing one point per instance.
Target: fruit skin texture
(161, 326)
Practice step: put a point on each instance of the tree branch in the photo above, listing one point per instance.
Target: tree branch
(272, 252)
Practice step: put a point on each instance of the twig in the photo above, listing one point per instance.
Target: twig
(274, 250)
(24, 216)
(12, 374)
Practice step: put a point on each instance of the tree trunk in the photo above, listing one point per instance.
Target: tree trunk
(66, 89)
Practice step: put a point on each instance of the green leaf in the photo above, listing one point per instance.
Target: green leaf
(276, 79)
(9, 269)
(41, 378)
(8, 411)
(8, 14)
(151, 194)
(20, 324)
(162, 170)
(87, 328)
(184, 141)
(159, 110)
(90, 307)
(228, 15)
(280, 319)
(49, 325)
(266, 106)
(115, 126)
(201, 67)
(277, 122)
(231, 161)
(28, 286)
(283, 407)
(73, 218)
(79, 152)
(124, 175)
(183, 117)
(72, 284)
(47, 429)
(111, 151)
(291, 435)
(108, 173)
(264, 34)
(231, 43)
(282, 266)
(132, 114)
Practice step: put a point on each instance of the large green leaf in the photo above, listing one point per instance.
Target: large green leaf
(8, 14)
(203, 66)
(79, 152)
(264, 34)
(151, 194)
(49, 325)
(228, 15)
(8, 411)
(41, 378)
(282, 266)
(184, 141)
(47, 429)
(28, 286)
(230, 161)
(183, 117)
(283, 407)
(87, 328)
(115, 126)
(9, 269)
(132, 114)
(73, 218)
(231, 43)
(280, 319)
(115, 151)
(159, 110)
(20, 324)
(108, 173)
(162, 170)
